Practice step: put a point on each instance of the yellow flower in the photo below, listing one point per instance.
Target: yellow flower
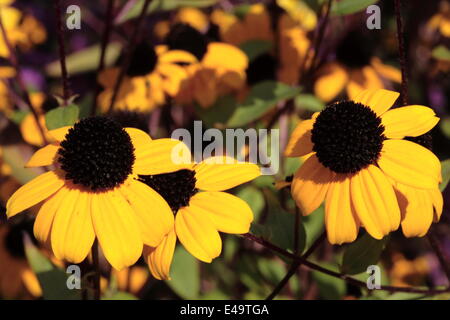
(354, 70)
(199, 216)
(6, 103)
(154, 73)
(255, 25)
(406, 273)
(190, 16)
(131, 279)
(441, 20)
(356, 151)
(93, 192)
(300, 13)
(17, 280)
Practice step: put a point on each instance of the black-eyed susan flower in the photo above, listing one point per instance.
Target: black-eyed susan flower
(441, 20)
(17, 280)
(405, 272)
(199, 216)
(355, 69)
(220, 68)
(153, 75)
(94, 193)
(356, 154)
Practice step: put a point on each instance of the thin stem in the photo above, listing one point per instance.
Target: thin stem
(443, 259)
(128, 56)
(95, 265)
(295, 265)
(316, 267)
(62, 52)
(105, 40)
(320, 36)
(15, 63)
(402, 52)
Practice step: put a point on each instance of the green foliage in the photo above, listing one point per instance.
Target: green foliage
(18, 116)
(445, 126)
(62, 116)
(345, 7)
(308, 102)
(330, 288)
(12, 157)
(185, 274)
(441, 53)
(254, 198)
(52, 279)
(254, 48)
(360, 254)
(445, 174)
(120, 295)
(85, 60)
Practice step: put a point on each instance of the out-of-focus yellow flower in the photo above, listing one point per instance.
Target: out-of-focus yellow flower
(300, 12)
(131, 279)
(154, 74)
(406, 273)
(191, 16)
(6, 103)
(441, 20)
(255, 25)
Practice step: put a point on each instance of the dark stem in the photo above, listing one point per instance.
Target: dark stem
(105, 40)
(15, 63)
(319, 38)
(295, 265)
(316, 267)
(401, 51)
(443, 259)
(95, 266)
(128, 56)
(62, 52)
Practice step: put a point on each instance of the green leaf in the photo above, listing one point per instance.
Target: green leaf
(85, 60)
(254, 198)
(263, 97)
(308, 102)
(120, 295)
(254, 48)
(313, 225)
(13, 157)
(445, 174)
(185, 274)
(18, 116)
(445, 126)
(362, 253)
(345, 7)
(441, 53)
(161, 5)
(219, 113)
(53, 280)
(330, 288)
(61, 116)
(281, 224)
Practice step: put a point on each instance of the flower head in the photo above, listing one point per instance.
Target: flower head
(356, 157)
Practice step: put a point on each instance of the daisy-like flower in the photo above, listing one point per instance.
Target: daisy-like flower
(355, 69)
(199, 216)
(220, 68)
(356, 156)
(154, 74)
(441, 20)
(17, 280)
(94, 193)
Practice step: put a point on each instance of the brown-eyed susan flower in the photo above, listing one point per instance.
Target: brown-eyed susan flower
(356, 156)
(199, 216)
(355, 69)
(17, 280)
(220, 68)
(153, 75)
(441, 20)
(93, 191)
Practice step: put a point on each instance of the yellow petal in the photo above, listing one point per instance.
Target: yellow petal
(31, 282)
(228, 213)
(222, 173)
(223, 55)
(300, 143)
(60, 133)
(162, 156)
(375, 203)
(193, 17)
(177, 56)
(409, 121)
(46, 214)
(44, 156)
(387, 71)
(331, 82)
(310, 185)
(159, 259)
(362, 79)
(198, 234)
(117, 230)
(38, 189)
(154, 215)
(140, 141)
(409, 163)
(341, 222)
(438, 202)
(379, 100)
(72, 231)
(417, 210)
